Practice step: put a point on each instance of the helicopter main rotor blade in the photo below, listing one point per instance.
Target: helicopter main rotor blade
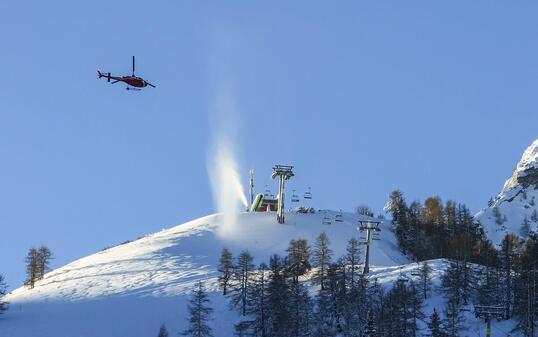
(133, 65)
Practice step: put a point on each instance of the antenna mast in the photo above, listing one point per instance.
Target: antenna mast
(251, 183)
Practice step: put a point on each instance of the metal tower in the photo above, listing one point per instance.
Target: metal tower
(368, 226)
(284, 172)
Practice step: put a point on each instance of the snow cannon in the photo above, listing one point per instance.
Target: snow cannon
(257, 202)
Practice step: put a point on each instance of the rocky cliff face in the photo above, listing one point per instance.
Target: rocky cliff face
(514, 210)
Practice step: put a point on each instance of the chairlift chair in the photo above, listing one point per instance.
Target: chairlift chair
(339, 217)
(308, 194)
(326, 220)
(416, 272)
(267, 192)
(402, 277)
(294, 197)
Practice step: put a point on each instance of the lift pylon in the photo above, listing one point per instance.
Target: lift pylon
(368, 226)
(284, 172)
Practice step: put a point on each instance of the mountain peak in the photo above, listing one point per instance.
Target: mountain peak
(514, 210)
(526, 172)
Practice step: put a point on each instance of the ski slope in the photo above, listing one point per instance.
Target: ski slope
(131, 289)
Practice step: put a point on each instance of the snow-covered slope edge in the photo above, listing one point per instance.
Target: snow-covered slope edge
(516, 203)
(132, 288)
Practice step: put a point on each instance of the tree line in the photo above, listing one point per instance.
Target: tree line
(274, 300)
(432, 230)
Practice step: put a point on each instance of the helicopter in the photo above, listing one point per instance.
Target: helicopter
(133, 82)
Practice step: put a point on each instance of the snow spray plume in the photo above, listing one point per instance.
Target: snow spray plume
(228, 192)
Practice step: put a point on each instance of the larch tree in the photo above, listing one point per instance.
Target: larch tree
(44, 255)
(258, 304)
(352, 260)
(321, 258)
(200, 314)
(225, 268)
(32, 267)
(242, 281)
(425, 279)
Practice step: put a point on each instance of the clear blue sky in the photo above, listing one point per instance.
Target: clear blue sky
(363, 97)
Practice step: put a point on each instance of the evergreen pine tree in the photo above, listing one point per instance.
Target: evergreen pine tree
(456, 282)
(162, 331)
(376, 296)
(453, 322)
(414, 241)
(353, 260)
(321, 258)
(242, 282)
(225, 267)
(298, 258)
(488, 292)
(370, 330)
(526, 296)
(3, 287)
(434, 325)
(278, 297)
(398, 209)
(338, 294)
(324, 323)
(357, 304)
(509, 257)
(258, 308)
(300, 310)
(416, 302)
(425, 279)
(200, 313)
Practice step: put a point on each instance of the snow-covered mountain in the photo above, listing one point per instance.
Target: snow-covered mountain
(130, 289)
(514, 210)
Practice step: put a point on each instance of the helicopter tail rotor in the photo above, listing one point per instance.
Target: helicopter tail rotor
(100, 74)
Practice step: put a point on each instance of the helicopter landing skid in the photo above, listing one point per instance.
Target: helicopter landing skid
(135, 89)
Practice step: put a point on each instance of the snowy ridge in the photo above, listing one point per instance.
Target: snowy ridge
(132, 288)
(516, 203)
(527, 164)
